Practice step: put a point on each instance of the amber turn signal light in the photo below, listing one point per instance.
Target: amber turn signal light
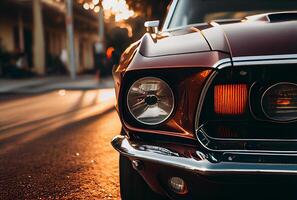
(230, 99)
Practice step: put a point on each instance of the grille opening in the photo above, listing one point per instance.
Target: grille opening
(245, 130)
(240, 116)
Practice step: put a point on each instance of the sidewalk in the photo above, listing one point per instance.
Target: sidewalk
(45, 84)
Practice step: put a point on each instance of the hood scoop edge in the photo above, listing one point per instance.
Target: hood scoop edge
(274, 17)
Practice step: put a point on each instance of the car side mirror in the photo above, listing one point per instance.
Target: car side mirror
(152, 26)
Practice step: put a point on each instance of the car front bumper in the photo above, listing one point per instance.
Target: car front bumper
(202, 175)
(204, 167)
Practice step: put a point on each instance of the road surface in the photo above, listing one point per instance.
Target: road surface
(57, 146)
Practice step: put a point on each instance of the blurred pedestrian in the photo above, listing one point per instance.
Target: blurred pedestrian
(100, 59)
(22, 62)
(64, 57)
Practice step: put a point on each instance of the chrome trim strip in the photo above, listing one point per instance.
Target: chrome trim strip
(203, 167)
(226, 62)
(265, 58)
(236, 150)
(245, 61)
(250, 105)
(169, 15)
(222, 63)
(225, 65)
(260, 154)
(202, 97)
(264, 62)
(245, 140)
(257, 60)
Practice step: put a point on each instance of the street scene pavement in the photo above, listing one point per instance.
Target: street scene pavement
(56, 145)
(57, 101)
(45, 84)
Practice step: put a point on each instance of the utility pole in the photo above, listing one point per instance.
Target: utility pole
(39, 46)
(70, 33)
(101, 30)
(100, 45)
(21, 32)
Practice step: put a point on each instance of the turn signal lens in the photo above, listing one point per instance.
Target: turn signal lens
(230, 99)
(279, 102)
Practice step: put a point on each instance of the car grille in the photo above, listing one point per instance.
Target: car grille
(233, 119)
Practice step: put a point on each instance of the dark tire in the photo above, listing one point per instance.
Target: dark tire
(132, 185)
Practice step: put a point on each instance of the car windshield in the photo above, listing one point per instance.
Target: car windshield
(189, 12)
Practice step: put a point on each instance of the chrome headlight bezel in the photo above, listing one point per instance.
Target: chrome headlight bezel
(170, 91)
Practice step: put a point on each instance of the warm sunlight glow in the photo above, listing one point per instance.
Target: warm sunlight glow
(106, 94)
(95, 2)
(119, 8)
(128, 27)
(86, 6)
(92, 6)
(62, 93)
(96, 9)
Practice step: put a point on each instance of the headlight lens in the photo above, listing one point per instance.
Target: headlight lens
(150, 100)
(279, 102)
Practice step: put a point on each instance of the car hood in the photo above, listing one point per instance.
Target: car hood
(178, 42)
(257, 35)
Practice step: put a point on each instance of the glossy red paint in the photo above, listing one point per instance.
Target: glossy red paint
(187, 92)
(172, 45)
(192, 60)
(186, 59)
(193, 55)
(254, 37)
(118, 71)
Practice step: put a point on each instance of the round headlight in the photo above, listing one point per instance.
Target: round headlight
(279, 102)
(150, 101)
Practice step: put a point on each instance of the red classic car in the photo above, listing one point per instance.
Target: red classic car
(209, 103)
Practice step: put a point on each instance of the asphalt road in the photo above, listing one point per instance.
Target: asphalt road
(57, 146)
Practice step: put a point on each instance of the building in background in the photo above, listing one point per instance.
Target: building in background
(36, 31)
(33, 33)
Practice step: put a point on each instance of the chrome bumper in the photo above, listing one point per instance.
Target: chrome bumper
(166, 157)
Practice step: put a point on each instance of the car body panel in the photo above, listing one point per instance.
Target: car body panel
(186, 82)
(250, 38)
(202, 63)
(216, 39)
(171, 45)
(188, 59)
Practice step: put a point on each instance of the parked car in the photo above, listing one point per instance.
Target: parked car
(209, 103)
